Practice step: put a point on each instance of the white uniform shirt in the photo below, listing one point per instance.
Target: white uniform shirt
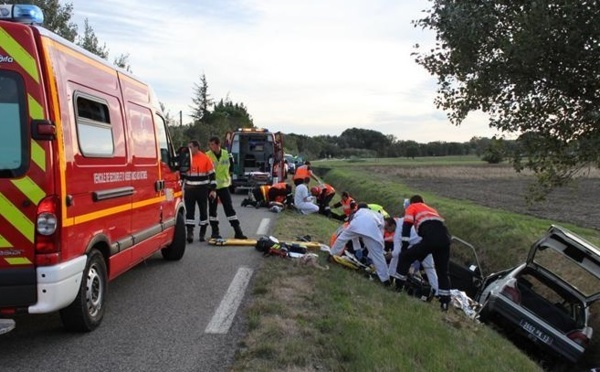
(367, 223)
(302, 195)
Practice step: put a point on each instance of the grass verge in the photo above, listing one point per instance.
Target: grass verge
(305, 318)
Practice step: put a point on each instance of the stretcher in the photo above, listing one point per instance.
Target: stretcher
(252, 243)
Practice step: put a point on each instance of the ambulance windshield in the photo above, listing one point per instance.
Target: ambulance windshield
(13, 140)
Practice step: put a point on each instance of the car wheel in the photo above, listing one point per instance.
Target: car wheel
(175, 250)
(85, 313)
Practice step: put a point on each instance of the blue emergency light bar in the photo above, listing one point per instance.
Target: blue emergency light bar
(22, 13)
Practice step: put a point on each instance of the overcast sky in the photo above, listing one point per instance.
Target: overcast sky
(307, 67)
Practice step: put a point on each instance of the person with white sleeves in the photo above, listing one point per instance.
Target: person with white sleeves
(303, 200)
(395, 225)
(368, 225)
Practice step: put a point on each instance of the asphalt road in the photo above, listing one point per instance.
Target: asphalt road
(157, 314)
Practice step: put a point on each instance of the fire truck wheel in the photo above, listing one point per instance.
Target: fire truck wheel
(176, 249)
(85, 313)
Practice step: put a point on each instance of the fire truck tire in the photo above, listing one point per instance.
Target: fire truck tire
(176, 249)
(85, 313)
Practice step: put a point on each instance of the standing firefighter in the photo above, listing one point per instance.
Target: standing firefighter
(302, 172)
(436, 241)
(223, 164)
(199, 183)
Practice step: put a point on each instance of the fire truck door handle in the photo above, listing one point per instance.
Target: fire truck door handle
(159, 185)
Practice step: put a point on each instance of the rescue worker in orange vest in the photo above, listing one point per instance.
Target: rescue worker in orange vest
(263, 195)
(303, 172)
(436, 241)
(200, 183)
(323, 194)
(347, 203)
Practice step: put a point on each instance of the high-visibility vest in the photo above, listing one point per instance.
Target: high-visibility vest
(347, 205)
(328, 190)
(378, 208)
(417, 213)
(222, 166)
(202, 171)
(302, 172)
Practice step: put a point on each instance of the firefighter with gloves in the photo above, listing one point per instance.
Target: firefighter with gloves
(436, 241)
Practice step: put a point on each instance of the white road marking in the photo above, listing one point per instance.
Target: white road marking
(263, 227)
(223, 317)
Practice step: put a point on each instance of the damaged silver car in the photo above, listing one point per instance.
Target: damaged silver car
(547, 298)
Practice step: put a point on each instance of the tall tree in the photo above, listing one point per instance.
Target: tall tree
(122, 61)
(532, 66)
(57, 17)
(201, 99)
(89, 41)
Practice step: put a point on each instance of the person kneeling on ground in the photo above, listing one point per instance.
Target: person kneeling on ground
(265, 195)
(368, 226)
(324, 193)
(347, 203)
(302, 199)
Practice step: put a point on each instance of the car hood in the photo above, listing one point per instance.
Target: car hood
(569, 251)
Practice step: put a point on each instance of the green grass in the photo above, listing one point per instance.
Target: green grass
(303, 318)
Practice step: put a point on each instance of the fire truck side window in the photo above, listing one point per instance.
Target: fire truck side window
(93, 128)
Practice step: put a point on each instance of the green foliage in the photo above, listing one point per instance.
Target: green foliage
(494, 153)
(89, 42)
(532, 66)
(122, 61)
(201, 99)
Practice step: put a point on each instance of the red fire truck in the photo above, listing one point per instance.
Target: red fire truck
(89, 185)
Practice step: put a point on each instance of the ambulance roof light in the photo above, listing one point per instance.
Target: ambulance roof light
(253, 129)
(22, 13)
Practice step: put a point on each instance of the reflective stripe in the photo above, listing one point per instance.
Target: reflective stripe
(406, 238)
(429, 219)
(232, 218)
(190, 222)
(4, 243)
(30, 189)
(401, 277)
(19, 54)
(35, 109)
(443, 292)
(18, 260)
(38, 155)
(213, 219)
(16, 218)
(196, 183)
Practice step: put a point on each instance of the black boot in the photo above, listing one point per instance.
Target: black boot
(202, 234)
(214, 227)
(399, 284)
(444, 303)
(238, 230)
(190, 234)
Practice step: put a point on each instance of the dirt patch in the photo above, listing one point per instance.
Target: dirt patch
(499, 186)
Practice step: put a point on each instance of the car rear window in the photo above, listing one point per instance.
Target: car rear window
(558, 264)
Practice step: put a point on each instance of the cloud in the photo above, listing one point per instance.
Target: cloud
(310, 67)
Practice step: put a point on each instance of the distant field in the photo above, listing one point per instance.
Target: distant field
(492, 185)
